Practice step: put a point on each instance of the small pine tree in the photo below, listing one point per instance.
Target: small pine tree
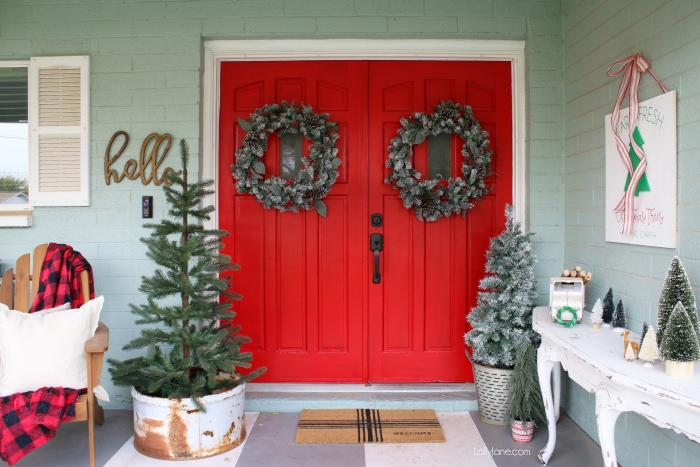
(190, 340)
(608, 307)
(680, 343)
(645, 329)
(524, 399)
(619, 320)
(503, 314)
(676, 289)
(648, 350)
(597, 312)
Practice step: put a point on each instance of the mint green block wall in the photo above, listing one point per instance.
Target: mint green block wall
(597, 33)
(146, 71)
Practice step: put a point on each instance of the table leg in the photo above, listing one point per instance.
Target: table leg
(556, 385)
(606, 416)
(544, 371)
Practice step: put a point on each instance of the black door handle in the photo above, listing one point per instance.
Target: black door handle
(376, 244)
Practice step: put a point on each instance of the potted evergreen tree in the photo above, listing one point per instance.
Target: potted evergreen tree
(524, 402)
(188, 396)
(502, 317)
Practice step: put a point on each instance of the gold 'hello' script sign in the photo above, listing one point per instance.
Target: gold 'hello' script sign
(154, 149)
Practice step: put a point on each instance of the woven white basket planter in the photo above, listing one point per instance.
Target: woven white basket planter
(491, 392)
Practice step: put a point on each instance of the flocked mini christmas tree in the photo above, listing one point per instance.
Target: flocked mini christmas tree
(597, 314)
(608, 307)
(648, 350)
(619, 321)
(680, 342)
(645, 329)
(189, 339)
(676, 289)
(502, 316)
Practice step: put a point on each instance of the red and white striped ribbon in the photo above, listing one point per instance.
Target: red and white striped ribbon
(633, 67)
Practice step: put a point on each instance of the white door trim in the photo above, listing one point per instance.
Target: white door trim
(218, 51)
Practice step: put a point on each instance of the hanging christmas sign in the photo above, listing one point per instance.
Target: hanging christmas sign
(319, 169)
(640, 163)
(432, 199)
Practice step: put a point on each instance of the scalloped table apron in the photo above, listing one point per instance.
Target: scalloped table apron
(311, 303)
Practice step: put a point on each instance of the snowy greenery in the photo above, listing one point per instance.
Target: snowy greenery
(648, 349)
(503, 315)
(320, 168)
(433, 199)
(619, 320)
(608, 307)
(597, 313)
(188, 335)
(676, 289)
(524, 399)
(680, 342)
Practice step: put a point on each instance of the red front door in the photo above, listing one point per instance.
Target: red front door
(309, 302)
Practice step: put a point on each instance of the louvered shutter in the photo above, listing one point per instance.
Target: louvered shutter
(59, 173)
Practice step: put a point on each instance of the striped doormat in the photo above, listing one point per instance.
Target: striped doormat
(369, 426)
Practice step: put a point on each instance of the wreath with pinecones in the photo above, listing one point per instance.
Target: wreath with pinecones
(433, 199)
(319, 169)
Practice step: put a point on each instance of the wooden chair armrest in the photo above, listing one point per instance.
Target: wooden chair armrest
(99, 343)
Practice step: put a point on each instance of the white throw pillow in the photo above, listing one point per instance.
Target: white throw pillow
(46, 311)
(46, 350)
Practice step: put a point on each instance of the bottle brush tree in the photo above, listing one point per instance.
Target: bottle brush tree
(502, 316)
(524, 400)
(608, 307)
(648, 349)
(192, 349)
(680, 343)
(619, 320)
(676, 289)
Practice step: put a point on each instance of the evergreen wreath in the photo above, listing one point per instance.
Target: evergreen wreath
(319, 170)
(432, 199)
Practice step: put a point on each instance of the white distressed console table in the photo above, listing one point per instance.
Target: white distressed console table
(594, 359)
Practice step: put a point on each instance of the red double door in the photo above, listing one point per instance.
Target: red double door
(309, 301)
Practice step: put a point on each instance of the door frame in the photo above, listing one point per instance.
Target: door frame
(217, 51)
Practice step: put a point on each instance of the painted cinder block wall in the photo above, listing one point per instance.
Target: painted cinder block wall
(146, 72)
(595, 34)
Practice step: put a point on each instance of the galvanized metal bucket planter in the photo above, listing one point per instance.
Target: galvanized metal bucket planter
(174, 429)
(491, 393)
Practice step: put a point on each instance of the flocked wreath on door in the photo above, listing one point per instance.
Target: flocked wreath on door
(432, 199)
(319, 169)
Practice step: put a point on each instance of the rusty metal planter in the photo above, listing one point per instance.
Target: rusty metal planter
(174, 429)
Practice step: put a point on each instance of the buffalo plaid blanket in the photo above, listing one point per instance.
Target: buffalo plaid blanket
(30, 419)
(59, 279)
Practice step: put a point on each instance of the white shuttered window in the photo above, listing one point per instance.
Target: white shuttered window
(59, 131)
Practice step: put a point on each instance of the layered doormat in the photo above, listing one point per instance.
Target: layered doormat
(347, 426)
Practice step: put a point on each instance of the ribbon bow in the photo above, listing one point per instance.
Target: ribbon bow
(633, 67)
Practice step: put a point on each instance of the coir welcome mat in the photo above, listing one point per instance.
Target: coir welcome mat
(369, 426)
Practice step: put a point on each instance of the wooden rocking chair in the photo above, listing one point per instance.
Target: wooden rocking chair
(18, 291)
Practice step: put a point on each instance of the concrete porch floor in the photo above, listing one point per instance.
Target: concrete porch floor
(271, 432)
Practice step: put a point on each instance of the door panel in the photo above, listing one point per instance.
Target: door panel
(309, 303)
(301, 275)
(431, 270)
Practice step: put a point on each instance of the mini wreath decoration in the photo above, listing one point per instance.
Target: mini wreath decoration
(432, 199)
(319, 169)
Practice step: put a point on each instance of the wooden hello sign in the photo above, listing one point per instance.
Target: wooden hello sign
(146, 167)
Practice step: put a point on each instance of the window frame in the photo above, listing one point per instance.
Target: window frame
(21, 215)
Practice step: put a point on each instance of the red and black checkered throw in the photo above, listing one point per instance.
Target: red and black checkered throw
(30, 419)
(59, 279)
